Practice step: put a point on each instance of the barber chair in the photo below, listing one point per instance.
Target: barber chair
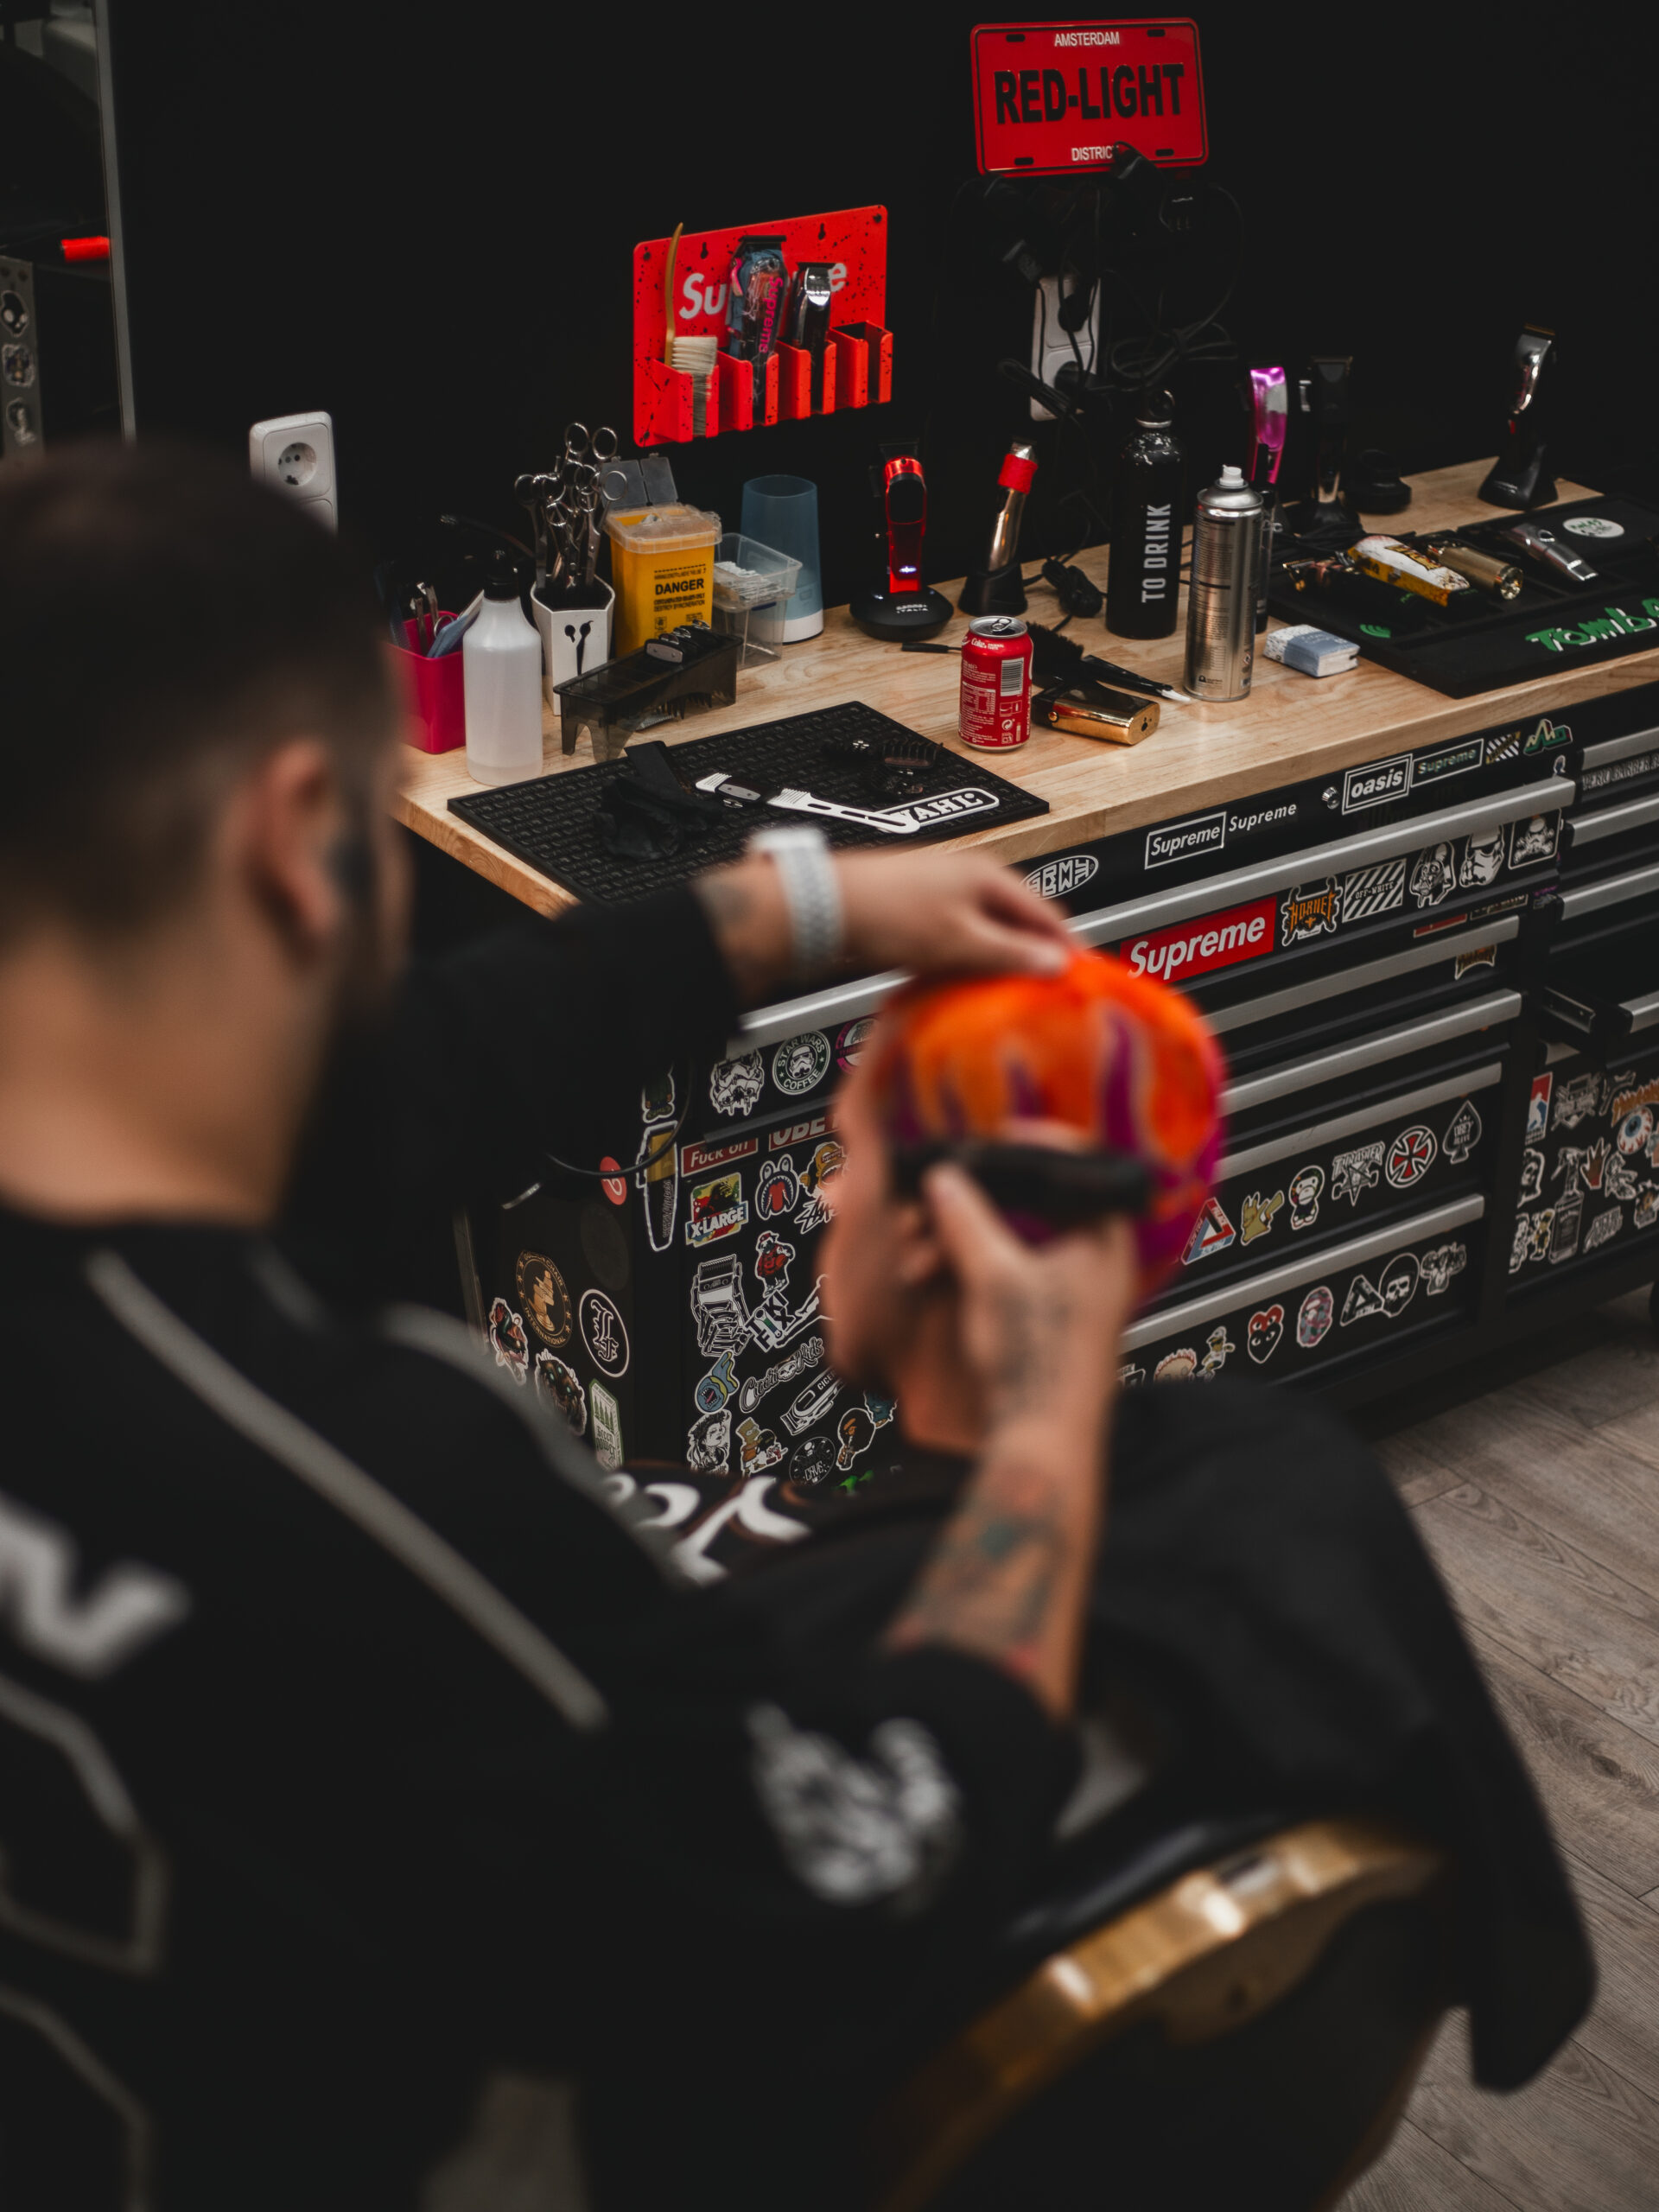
(1233, 2017)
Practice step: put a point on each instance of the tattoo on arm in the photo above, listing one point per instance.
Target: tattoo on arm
(990, 1586)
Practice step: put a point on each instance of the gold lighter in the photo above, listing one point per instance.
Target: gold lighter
(1485, 570)
(1093, 710)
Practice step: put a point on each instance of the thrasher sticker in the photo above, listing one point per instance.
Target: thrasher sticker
(709, 1445)
(1578, 1099)
(1369, 891)
(734, 1086)
(718, 1210)
(1262, 1333)
(772, 1259)
(603, 1333)
(511, 1344)
(1534, 839)
(800, 1064)
(1410, 1157)
(777, 1190)
(1212, 1233)
(1305, 1187)
(1483, 955)
(607, 1427)
(1462, 1134)
(1177, 1366)
(1532, 1176)
(1218, 1349)
(560, 1387)
(805, 1358)
(1314, 1317)
(1441, 1264)
(543, 1294)
(1256, 1216)
(1538, 1108)
(1308, 911)
(1433, 876)
(1607, 1224)
(1353, 1174)
(697, 1158)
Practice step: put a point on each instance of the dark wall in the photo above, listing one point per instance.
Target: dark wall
(422, 220)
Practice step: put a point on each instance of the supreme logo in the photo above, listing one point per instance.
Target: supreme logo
(1184, 841)
(1212, 941)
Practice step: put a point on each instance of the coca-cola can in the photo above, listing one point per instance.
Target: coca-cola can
(996, 710)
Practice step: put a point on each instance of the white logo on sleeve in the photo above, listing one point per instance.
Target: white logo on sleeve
(854, 1830)
(88, 1636)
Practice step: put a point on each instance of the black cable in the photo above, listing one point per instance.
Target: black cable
(641, 1162)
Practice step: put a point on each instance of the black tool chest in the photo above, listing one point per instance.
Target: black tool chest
(1436, 979)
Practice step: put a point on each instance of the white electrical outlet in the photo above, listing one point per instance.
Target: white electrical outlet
(1050, 345)
(294, 454)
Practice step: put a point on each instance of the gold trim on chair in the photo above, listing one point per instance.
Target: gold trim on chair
(1203, 1957)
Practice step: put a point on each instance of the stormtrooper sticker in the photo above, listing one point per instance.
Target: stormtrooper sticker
(1483, 860)
(1462, 1134)
(1219, 1349)
(559, 1387)
(1532, 1176)
(1433, 876)
(1363, 1301)
(1317, 1312)
(1353, 1174)
(800, 1064)
(1262, 1333)
(1256, 1215)
(1177, 1366)
(1305, 1187)
(1410, 1157)
(1533, 839)
(709, 1445)
(734, 1086)
(1399, 1284)
(1440, 1265)
(511, 1344)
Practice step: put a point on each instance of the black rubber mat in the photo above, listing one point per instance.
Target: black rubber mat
(550, 822)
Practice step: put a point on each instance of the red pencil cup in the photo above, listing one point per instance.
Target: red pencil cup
(437, 722)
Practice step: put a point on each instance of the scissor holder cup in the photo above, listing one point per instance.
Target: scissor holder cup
(437, 696)
(662, 564)
(575, 627)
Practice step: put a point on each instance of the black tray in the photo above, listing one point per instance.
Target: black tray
(1481, 644)
(550, 822)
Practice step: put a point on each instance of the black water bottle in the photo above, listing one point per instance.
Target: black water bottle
(1143, 582)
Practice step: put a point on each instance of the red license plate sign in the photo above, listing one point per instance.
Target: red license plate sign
(1052, 97)
(1211, 941)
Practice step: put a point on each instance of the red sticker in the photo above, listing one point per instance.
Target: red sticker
(1211, 941)
(1050, 98)
(615, 1186)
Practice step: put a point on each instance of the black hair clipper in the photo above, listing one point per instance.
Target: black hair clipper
(1517, 478)
(1064, 1189)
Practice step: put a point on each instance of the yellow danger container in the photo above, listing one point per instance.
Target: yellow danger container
(662, 567)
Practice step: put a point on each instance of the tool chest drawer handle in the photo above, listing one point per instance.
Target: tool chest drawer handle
(1392, 1237)
(1612, 891)
(1108, 922)
(1256, 1157)
(1610, 821)
(1642, 1013)
(1339, 981)
(1371, 1052)
(1619, 748)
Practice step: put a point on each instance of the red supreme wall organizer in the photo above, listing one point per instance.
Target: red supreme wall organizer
(858, 363)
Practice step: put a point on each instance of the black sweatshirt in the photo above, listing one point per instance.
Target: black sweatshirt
(349, 1743)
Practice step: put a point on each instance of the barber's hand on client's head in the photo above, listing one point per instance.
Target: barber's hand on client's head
(946, 913)
(1040, 1324)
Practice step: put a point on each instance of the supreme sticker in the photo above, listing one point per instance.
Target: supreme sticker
(1052, 97)
(1212, 941)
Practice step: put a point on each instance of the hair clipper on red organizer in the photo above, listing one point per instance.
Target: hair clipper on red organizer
(1119, 1056)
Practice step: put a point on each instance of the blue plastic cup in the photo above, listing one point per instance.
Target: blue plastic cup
(782, 511)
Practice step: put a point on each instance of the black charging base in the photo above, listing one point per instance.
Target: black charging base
(1522, 485)
(993, 591)
(901, 615)
(1324, 524)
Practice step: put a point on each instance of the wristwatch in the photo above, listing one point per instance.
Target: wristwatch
(807, 875)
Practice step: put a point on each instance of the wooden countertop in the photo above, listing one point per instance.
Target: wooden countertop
(1290, 725)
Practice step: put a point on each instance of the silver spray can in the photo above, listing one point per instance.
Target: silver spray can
(1221, 605)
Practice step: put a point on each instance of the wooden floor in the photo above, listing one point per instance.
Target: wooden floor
(1537, 1491)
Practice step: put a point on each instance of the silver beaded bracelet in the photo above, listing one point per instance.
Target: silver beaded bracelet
(807, 875)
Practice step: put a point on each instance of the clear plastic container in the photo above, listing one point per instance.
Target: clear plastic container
(662, 565)
(752, 584)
